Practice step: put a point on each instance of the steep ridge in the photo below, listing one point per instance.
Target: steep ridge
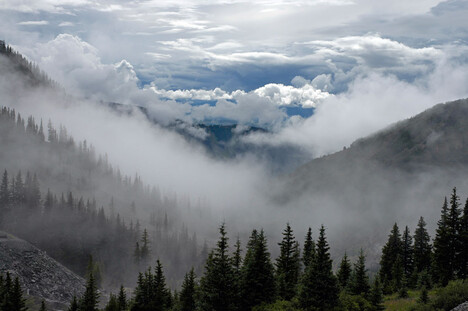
(40, 275)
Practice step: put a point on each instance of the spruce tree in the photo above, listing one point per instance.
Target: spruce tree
(376, 295)
(122, 299)
(217, 286)
(4, 191)
(162, 299)
(74, 304)
(16, 300)
(407, 253)
(90, 299)
(453, 225)
(258, 282)
(424, 296)
(463, 255)
(309, 249)
(187, 294)
(442, 249)
(360, 280)
(319, 287)
(422, 247)
(145, 249)
(112, 304)
(288, 265)
(344, 272)
(390, 252)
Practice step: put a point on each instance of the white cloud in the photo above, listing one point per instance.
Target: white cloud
(33, 23)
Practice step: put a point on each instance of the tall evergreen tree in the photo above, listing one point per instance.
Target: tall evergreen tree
(422, 247)
(463, 255)
(16, 300)
(4, 191)
(390, 252)
(360, 280)
(73, 305)
(453, 225)
(217, 286)
(162, 299)
(344, 272)
(376, 295)
(90, 299)
(288, 265)
(122, 299)
(258, 282)
(319, 287)
(187, 294)
(442, 250)
(407, 253)
(309, 249)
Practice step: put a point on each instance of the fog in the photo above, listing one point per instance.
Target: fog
(242, 191)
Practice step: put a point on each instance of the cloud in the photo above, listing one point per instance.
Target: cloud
(372, 102)
(33, 23)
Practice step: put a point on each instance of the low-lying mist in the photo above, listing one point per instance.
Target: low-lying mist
(242, 191)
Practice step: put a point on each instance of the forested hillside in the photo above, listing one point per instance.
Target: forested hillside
(60, 196)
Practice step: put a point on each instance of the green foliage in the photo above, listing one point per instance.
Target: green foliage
(424, 296)
(258, 282)
(350, 302)
(11, 295)
(218, 286)
(308, 253)
(279, 305)
(376, 295)
(187, 294)
(390, 252)
(455, 293)
(319, 287)
(407, 254)
(151, 292)
(360, 280)
(90, 299)
(344, 272)
(422, 248)
(43, 306)
(288, 265)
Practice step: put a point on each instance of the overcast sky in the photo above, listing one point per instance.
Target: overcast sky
(247, 60)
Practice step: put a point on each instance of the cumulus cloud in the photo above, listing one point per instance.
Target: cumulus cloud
(373, 101)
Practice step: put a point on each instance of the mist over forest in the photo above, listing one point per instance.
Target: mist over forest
(221, 170)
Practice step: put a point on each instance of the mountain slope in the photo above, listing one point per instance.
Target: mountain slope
(40, 275)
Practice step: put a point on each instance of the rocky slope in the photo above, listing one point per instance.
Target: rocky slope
(40, 275)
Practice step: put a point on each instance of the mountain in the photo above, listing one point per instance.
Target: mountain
(41, 276)
(395, 175)
(435, 138)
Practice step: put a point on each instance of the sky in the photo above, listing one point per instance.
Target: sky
(360, 64)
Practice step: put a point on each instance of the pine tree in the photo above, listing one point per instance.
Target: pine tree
(376, 295)
(288, 265)
(463, 255)
(16, 300)
(4, 192)
(453, 225)
(442, 253)
(390, 252)
(258, 282)
(73, 305)
(122, 299)
(144, 250)
(319, 287)
(360, 280)
(309, 249)
(217, 286)
(422, 247)
(160, 298)
(407, 253)
(187, 294)
(344, 272)
(112, 304)
(424, 296)
(90, 299)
